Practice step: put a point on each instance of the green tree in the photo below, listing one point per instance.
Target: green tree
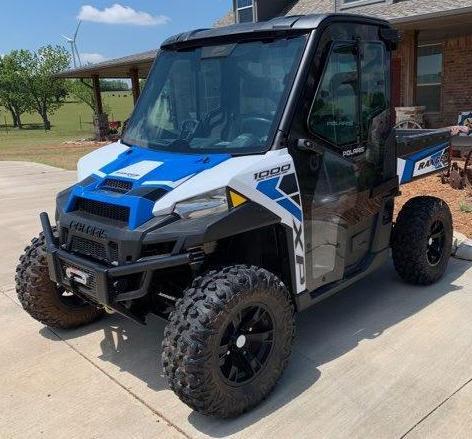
(40, 82)
(113, 85)
(83, 91)
(13, 95)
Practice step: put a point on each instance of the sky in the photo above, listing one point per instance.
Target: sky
(109, 29)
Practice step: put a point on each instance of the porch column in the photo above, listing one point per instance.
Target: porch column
(100, 120)
(410, 46)
(97, 94)
(134, 75)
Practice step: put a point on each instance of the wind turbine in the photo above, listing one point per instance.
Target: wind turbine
(73, 46)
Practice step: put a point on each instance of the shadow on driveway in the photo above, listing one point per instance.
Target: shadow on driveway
(326, 332)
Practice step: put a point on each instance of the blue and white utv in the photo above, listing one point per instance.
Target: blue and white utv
(255, 177)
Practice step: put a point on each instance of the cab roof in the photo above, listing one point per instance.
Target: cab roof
(285, 24)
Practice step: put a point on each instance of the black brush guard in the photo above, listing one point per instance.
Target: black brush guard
(99, 283)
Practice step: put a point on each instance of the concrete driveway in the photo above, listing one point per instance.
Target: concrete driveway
(383, 360)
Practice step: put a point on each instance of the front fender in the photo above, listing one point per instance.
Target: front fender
(196, 232)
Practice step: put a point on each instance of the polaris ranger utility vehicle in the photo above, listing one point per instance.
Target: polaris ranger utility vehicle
(255, 177)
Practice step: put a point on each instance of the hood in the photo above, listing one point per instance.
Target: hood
(145, 167)
(133, 178)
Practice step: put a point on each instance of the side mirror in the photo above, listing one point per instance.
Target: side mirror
(307, 145)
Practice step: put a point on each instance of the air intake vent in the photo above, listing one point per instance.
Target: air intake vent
(113, 185)
(87, 247)
(113, 251)
(105, 210)
(161, 248)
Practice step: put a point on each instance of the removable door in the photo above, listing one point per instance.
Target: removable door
(344, 163)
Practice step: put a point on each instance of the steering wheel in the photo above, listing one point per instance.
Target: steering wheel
(257, 125)
(256, 119)
(188, 129)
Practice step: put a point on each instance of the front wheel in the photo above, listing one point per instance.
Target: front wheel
(229, 340)
(422, 240)
(43, 299)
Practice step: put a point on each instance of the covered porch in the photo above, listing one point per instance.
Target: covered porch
(432, 65)
(133, 67)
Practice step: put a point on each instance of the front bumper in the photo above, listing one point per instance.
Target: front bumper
(103, 284)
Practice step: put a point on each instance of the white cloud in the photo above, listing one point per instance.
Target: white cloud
(119, 14)
(92, 58)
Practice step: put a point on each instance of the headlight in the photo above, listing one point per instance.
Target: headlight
(203, 205)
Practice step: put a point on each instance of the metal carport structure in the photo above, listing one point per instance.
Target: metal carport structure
(133, 67)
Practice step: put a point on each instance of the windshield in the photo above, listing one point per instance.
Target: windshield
(215, 99)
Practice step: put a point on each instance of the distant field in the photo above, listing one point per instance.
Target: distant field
(34, 144)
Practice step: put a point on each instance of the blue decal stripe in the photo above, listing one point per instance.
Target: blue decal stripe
(436, 160)
(269, 188)
(287, 204)
(408, 171)
(434, 153)
(426, 152)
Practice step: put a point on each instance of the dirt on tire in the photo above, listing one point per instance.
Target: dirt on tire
(41, 298)
(190, 345)
(411, 236)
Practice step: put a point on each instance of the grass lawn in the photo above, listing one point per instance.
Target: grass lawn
(34, 144)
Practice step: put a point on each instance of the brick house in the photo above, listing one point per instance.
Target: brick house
(431, 65)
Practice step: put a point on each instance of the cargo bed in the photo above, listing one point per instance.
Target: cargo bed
(421, 152)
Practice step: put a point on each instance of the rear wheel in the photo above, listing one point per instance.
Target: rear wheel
(422, 240)
(43, 299)
(228, 340)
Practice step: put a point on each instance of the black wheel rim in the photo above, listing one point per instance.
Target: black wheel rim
(246, 344)
(435, 244)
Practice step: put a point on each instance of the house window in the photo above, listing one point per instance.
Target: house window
(245, 11)
(429, 77)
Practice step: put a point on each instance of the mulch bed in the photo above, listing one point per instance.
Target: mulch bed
(432, 186)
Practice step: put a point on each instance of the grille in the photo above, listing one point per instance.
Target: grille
(117, 185)
(114, 251)
(92, 277)
(64, 235)
(105, 210)
(87, 247)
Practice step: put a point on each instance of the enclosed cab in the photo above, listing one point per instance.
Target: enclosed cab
(256, 176)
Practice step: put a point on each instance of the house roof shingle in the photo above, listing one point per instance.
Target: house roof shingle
(389, 11)
(397, 11)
